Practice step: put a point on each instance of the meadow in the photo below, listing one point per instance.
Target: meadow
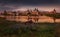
(30, 29)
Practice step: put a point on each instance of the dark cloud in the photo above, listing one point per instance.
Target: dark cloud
(31, 2)
(13, 4)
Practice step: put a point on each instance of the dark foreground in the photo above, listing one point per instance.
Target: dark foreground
(18, 29)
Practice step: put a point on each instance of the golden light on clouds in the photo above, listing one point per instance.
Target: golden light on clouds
(20, 9)
(41, 8)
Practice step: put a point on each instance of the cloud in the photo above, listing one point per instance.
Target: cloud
(18, 4)
(31, 2)
(41, 8)
(8, 6)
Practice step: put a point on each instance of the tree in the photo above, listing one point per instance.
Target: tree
(54, 11)
(5, 14)
(53, 15)
(14, 15)
(29, 15)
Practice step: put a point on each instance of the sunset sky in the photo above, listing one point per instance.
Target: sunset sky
(45, 5)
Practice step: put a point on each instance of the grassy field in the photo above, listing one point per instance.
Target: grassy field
(18, 29)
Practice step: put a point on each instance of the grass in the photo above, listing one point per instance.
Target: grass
(18, 29)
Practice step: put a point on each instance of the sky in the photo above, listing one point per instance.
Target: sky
(46, 5)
